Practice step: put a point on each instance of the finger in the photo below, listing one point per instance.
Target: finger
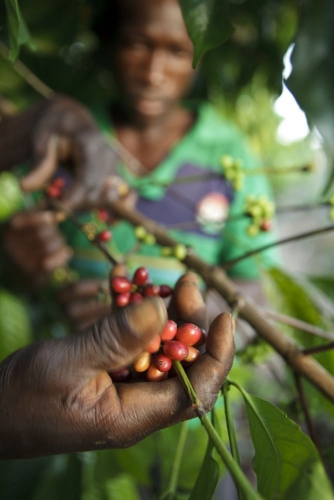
(166, 403)
(45, 167)
(118, 338)
(84, 289)
(187, 304)
(33, 219)
(57, 259)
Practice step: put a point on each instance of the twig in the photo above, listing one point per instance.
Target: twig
(306, 410)
(317, 349)
(230, 263)
(215, 277)
(236, 472)
(301, 325)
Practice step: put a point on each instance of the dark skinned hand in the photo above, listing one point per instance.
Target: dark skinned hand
(57, 396)
(34, 244)
(62, 131)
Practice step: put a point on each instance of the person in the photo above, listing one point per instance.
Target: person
(57, 395)
(171, 143)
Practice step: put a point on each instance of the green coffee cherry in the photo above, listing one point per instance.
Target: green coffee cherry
(180, 251)
(140, 232)
(11, 196)
(150, 239)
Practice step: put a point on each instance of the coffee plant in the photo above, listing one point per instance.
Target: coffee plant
(289, 463)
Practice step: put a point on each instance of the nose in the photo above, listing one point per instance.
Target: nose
(155, 68)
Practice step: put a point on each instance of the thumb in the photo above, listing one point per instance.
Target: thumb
(45, 166)
(117, 339)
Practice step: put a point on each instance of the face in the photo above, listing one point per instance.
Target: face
(153, 56)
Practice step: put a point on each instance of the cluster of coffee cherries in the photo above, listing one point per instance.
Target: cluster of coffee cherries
(233, 171)
(175, 343)
(260, 210)
(133, 291)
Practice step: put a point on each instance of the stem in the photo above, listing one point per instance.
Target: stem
(230, 263)
(231, 431)
(306, 411)
(301, 325)
(170, 493)
(317, 349)
(62, 208)
(234, 468)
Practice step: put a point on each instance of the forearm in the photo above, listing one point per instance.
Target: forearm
(16, 136)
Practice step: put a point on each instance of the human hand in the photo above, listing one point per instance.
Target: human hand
(80, 302)
(65, 132)
(57, 396)
(34, 243)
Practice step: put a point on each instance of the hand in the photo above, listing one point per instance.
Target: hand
(80, 302)
(65, 132)
(34, 243)
(57, 396)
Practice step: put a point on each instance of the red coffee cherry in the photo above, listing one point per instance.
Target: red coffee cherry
(104, 236)
(175, 350)
(188, 334)
(142, 362)
(140, 277)
(119, 284)
(169, 331)
(59, 182)
(165, 291)
(155, 375)
(122, 299)
(150, 290)
(202, 339)
(154, 344)
(162, 362)
(193, 354)
(53, 191)
(266, 225)
(103, 215)
(136, 298)
(120, 375)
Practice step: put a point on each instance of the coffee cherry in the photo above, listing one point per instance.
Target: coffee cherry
(122, 299)
(155, 375)
(169, 331)
(140, 232)
(119, 284)
(136, 298)
(140, 277)
(104, 236)
(151, 290)
(175, 350)
(53, 191)
(202, 339)
(266, 225)
(162, 362)
(180, 251)
(59, 182)
(188, 333)
(150, 239)
(153, 345)
(120, 375)
(165, 291)
(193, 354)
(103, 215)
(142, 362)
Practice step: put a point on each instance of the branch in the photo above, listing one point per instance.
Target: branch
(215, 277)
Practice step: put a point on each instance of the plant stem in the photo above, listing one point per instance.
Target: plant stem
(231, 432)
(306, 411)
(230, 263)
(317, 349)
(234, 468)
(170, 493)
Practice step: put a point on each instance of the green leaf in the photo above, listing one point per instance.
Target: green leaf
(18, 31)
(121, 486)
(11, 198)
(207, 23)
(15, 329)
(286, 461)
(209, 474)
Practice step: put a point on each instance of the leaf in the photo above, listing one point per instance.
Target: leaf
(121, 486)
(209, 474)
(15, 329)
(286, 461)
(207, 23)
(18, 31)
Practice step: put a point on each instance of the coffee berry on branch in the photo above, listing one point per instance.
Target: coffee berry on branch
(175, 342)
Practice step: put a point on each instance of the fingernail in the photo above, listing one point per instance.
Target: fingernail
(147, 317)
